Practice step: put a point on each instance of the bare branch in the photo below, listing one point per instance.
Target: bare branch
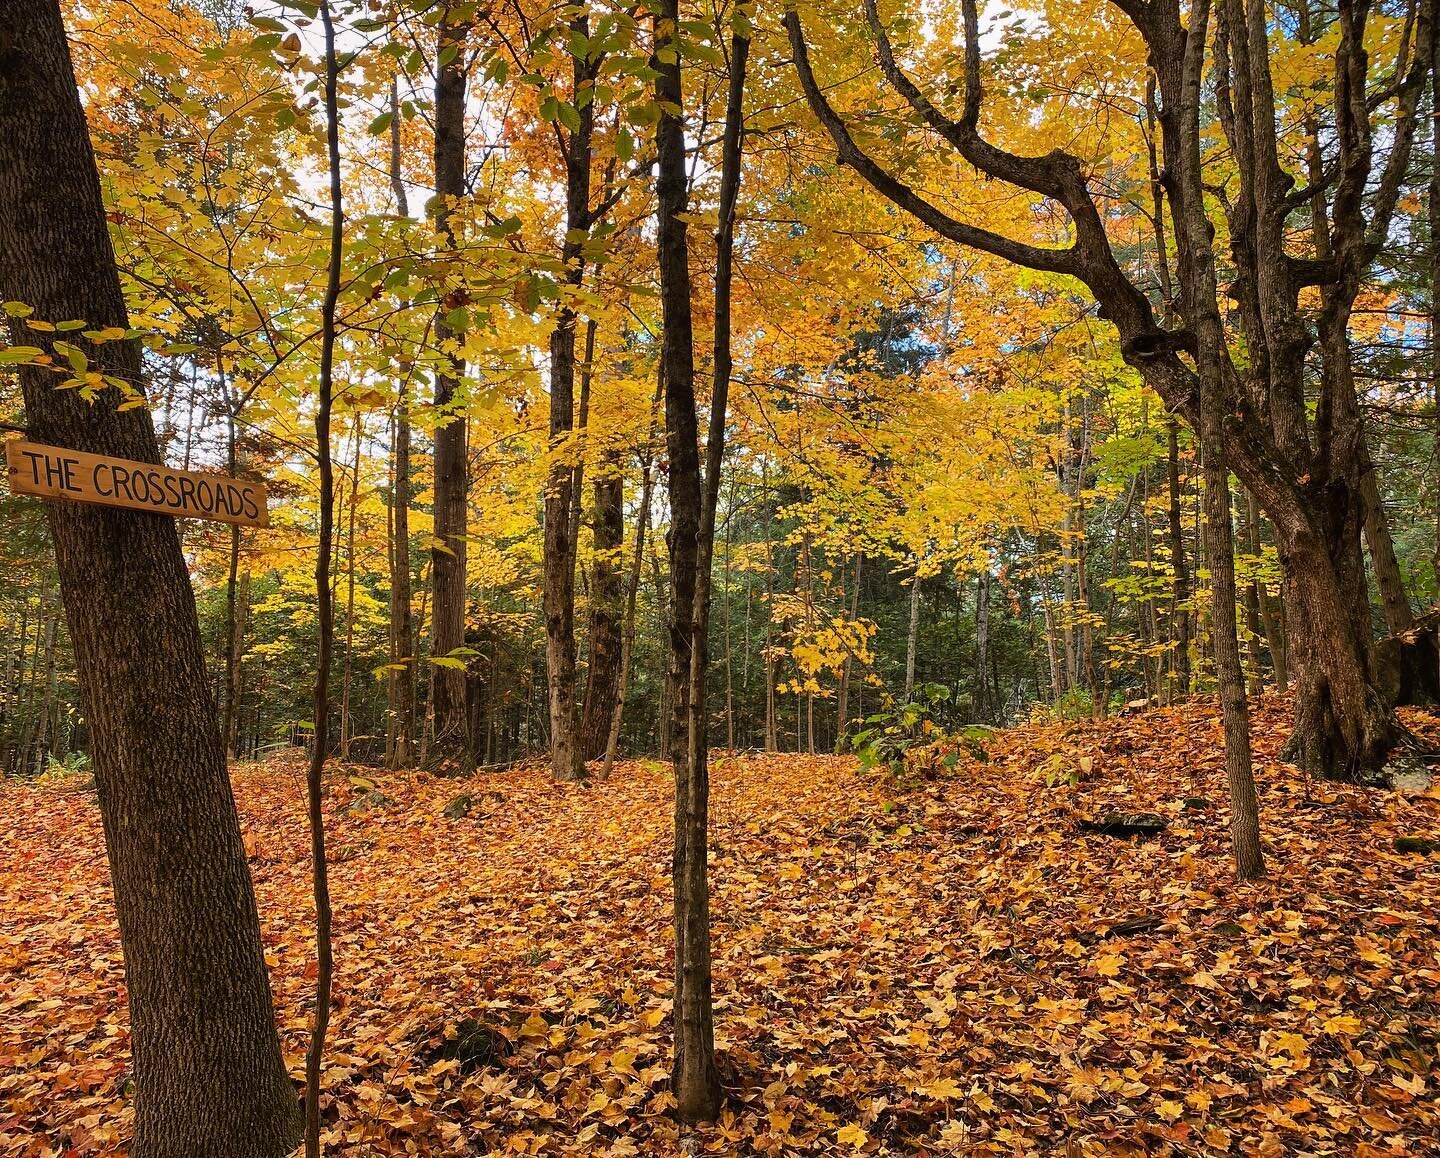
(1063, 261)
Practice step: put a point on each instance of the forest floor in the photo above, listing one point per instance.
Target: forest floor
(947, 964)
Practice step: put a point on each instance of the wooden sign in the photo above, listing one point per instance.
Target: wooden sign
(50, 472)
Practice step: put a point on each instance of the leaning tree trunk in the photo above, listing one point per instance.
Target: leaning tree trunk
(209, 1078)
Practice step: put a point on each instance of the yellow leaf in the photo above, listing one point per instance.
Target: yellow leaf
(852, 1135)
(941, 1090)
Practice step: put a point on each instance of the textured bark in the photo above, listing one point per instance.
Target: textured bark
(695, 1080)
(1204, 315)
(1394, 603)
(450, 747)
(567, 760)
(607, 610)
(209, 1079)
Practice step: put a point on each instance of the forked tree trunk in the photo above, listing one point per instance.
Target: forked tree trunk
(1343, 728)
(450, 748)
(695, 1081)
(209, 1078)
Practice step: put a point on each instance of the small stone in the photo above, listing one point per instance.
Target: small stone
(459, 807)
(366, 802)
(1416, 844)
(1196, 803)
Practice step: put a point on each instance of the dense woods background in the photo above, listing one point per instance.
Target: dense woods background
(919, 434)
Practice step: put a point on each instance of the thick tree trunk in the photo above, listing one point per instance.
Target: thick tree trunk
(1394, 603)
(607, 610)
(450, 747)
(1343, 727)
(209, 1078)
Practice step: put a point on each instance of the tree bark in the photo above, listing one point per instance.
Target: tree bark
(1204, 313)
(694, 498)
(842, 703)
(400, 686)
(983, 711)
(450, 747)
(567, 758)
(1180, 583)
(209, 1078)
(607, 609)
(912, 636)
(627, 647)
(324, 601)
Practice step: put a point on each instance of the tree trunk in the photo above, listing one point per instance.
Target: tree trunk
(1394, 603)
(324, 602)
(348, 668)
(240, 616)
(209, 1078)
(842, 704)
(912, 636)
(1192, 225)
(234, 613)
(567, 758)
(1180, 583)
(607, 609)
(983, 711)
(695, 1081)
(627, 647)
(450, 748)
(400, 687)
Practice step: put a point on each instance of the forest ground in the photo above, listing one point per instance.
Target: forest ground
(944, 964)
